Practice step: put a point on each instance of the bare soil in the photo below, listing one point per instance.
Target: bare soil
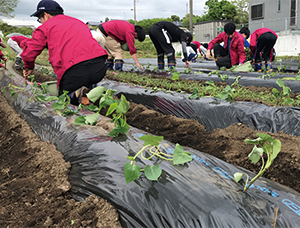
(34, 188)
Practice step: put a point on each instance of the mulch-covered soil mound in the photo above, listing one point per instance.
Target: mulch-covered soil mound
(34, 187)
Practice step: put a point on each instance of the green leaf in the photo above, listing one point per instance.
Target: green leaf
(132, 172)
(4, 90)
(180, 156)
(92, 119)
(41, 98)
(276, 149)
(123, 105)
(95, 93)
(223, 95)
(298, 78)
(119, 130)
(111, 109)
(238, 176)
(256, 154)
(286, 91)
(92, 108)
(265, 137)
(152, 172)
(151, 140)
(80, 120)
(51, 98)
(57, 106)
(280, 82)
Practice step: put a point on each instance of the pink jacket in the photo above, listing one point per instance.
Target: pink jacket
(237, 51)
(255, 35)
(121, 31)
(1, 57)
(20, 40)
(69, 42)
(198, 44)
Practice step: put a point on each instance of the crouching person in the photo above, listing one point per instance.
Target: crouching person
(233, 52)
(76, 57)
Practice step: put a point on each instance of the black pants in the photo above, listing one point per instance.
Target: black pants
(85, 74)
(222, 56)
(162, 42)
(264, 43)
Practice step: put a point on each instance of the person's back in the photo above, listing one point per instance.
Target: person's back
(76, 57)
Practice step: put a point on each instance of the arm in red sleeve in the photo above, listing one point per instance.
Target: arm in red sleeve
(33, 47)
(130, 41)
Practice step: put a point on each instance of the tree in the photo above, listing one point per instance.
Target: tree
(186, 20)
(223, 10)
(242, 7)
(106, 19)
(7, 7)
(175, 18)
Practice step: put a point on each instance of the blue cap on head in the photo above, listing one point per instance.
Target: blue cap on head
(47, 5)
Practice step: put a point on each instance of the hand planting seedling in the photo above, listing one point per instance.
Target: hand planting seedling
(153, 147)
(271, 147)
(105, 99)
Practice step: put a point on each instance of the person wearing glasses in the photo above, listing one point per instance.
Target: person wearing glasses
(233, 52)
(76, 57)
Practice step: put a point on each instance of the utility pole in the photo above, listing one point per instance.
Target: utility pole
(191, 16)
(134, 11)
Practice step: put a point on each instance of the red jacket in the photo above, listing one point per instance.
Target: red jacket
(69, 42)
(1, 57)
(237, 51)
(255, 35)
(122, 32)
(20, 40)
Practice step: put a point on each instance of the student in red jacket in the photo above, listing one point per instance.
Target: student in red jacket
(76, 57)
(16, 43)
(1, 54)
(117, 32)
(262, 40)
(233, 52)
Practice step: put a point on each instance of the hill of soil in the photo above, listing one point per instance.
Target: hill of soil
(34, 186)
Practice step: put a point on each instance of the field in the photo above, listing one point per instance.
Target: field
(35, 186)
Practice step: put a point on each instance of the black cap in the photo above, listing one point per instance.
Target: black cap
(47, 5)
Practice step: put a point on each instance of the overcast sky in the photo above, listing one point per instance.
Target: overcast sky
(96, 10)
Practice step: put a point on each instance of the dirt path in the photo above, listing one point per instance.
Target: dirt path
(34, 186)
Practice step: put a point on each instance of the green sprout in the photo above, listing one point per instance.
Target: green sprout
(271, 147)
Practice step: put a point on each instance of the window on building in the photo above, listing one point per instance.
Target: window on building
(257, 12)
(278, 6)
(293, 13)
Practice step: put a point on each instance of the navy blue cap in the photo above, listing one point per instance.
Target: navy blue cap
(47, 5)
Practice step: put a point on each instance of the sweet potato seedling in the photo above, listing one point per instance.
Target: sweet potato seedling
(118, 108)
(152, 147)
(271, 147)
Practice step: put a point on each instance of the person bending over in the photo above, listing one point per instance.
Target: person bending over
(76, 57)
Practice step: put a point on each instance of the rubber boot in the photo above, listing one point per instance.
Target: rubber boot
(257, 67)
(269, 67)
(119, 64)
(110, 64)
(161, 66)
(18, 63)
(171, 65)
